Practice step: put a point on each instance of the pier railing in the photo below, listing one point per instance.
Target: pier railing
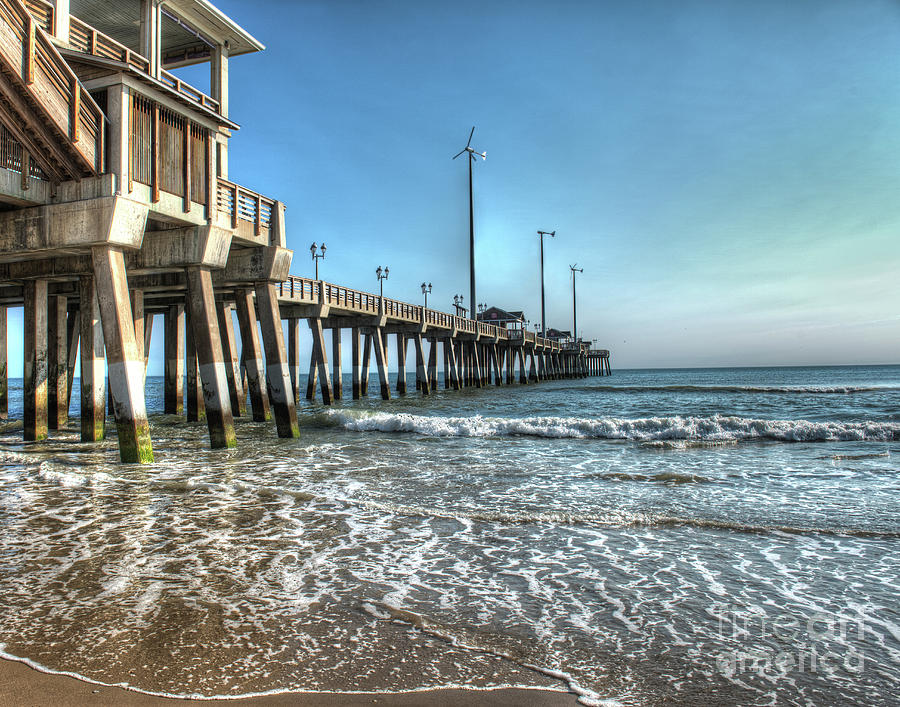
(249, 213)
(307, 291)
(89, 40)
(32, 57)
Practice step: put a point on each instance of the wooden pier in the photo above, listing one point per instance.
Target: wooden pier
(117, 206)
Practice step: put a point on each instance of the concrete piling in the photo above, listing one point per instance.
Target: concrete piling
(35, 362)
(356, 356)
(173, 335)
(378, 340)
(230, 353)
(124, 360)
(277, 374)
(57, 363)
(210, 359)
(319, 359)
(93, 375)
(4, 381)
(252, 355)
(337, 376)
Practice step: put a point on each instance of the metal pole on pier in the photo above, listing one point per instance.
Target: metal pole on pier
(472, 155)
(574, 269)
(552, 234)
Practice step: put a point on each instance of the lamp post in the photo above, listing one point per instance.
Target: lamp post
(382, 275)
(552, 234)
(425, 291)
(458, 303)
(317, 256)
(574, 269)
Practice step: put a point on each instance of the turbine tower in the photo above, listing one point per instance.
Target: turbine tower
(473, 155)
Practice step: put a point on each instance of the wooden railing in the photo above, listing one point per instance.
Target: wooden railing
(42, 12)
(15, 158)
(185, 89)
(169, 153)
(32, 57)
(89, 40)
(241, 204)
(86, 39)
(305, 290)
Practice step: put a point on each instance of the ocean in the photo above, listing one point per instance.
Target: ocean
(714, 536)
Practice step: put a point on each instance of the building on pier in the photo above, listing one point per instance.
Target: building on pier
(116, 205)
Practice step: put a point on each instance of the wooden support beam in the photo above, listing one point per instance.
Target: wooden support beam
(495, 358)
(187, 150)
(446, 351)
(378, 339)
(4, 360)
(356, 356)
(154, 154)
(57, 363)
(432, 364)
(233, 375)
(421, 370)
(35, 361)
(193, 394)
(124, 360)
(453, 360)
(173, 334)
(401, 364)
(29, 50)
(337, 377)
(321, 358)
(93, 377)
(278, 376)
(252, 355)
(367, 357)
(312, 378)
(477, 375)
(208, 346)
(294, 355)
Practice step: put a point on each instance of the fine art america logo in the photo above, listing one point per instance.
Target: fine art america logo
(776, 646)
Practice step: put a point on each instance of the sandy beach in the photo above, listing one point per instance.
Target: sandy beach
(21, 685)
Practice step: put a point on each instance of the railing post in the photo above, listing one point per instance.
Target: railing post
(74, 107)
(154, 154)
(188, 158)
(29, 52)
(257, 224)
(234, 204)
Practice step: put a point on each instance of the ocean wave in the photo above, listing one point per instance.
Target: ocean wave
(772, 389)
(612, 518)
(715, 428)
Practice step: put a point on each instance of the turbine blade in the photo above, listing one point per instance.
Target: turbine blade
(459, 153)
(469, 142)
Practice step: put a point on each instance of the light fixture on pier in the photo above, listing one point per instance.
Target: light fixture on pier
(552, 234)
(574, 269)
(473, 156)
(317, 256)
(458, 303)
(426, 289)
(382, 275)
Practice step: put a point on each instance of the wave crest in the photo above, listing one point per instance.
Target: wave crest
(769, 389)
(715, 428)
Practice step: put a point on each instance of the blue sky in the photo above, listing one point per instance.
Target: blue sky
(726, 172)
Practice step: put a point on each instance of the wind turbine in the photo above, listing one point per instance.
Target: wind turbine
(574, 268)
(473, 156)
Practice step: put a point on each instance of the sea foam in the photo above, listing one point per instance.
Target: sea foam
(715, 428)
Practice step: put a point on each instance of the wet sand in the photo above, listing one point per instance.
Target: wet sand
(23, 686)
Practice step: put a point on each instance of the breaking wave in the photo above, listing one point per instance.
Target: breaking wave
(773, 389)
(715, 428)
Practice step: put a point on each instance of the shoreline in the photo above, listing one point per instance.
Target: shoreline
(21, 684)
